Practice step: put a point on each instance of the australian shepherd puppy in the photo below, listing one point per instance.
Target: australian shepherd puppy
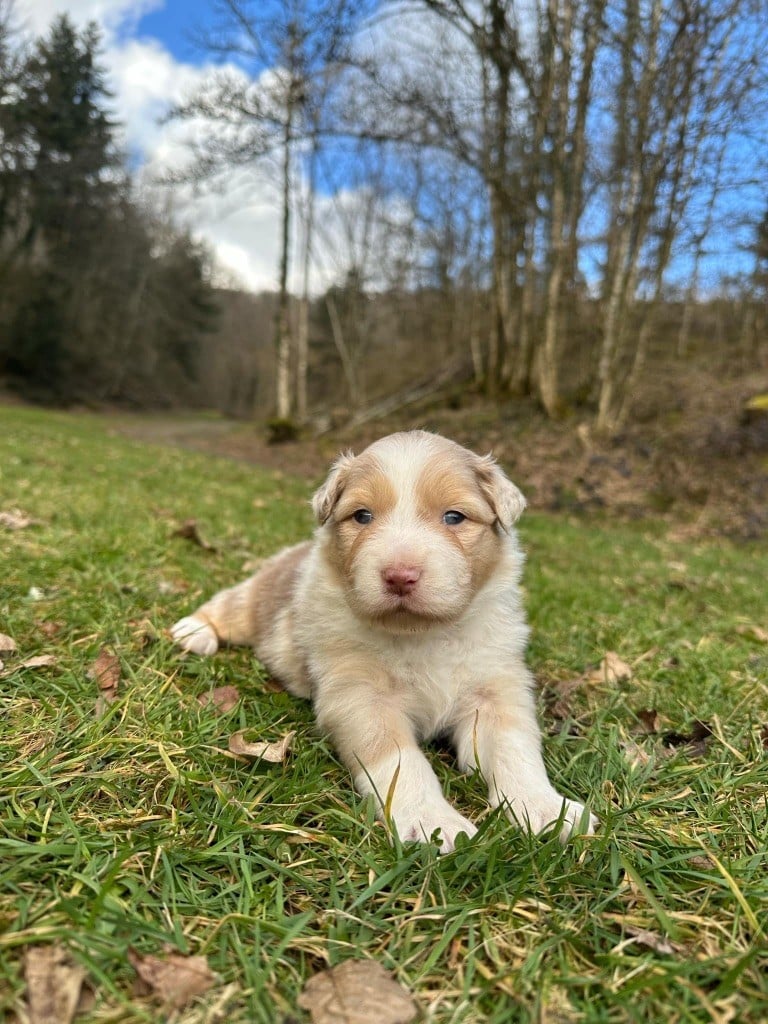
(402, 620)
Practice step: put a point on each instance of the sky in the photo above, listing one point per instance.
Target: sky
(152, 62)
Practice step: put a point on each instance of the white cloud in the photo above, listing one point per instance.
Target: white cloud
(37, 15)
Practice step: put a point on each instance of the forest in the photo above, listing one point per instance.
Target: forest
(551, 200)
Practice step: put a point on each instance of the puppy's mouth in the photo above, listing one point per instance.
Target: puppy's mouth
(411, 612)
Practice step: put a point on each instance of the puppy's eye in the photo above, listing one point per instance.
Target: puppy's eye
(363, 516)
(453, 518)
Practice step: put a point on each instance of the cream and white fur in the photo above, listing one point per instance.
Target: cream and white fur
(402, 627)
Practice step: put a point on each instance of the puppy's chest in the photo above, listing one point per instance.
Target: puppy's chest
(429, 677)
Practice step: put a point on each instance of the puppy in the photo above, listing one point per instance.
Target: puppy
(402, 620)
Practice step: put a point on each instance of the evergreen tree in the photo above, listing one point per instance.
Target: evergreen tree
(67, 170)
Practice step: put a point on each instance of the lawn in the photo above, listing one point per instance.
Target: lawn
(128, 830)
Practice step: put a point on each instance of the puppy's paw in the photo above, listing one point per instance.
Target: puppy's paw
(419, 823)
(541, 811)
(195, 635)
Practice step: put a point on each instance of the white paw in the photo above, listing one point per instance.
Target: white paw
(419, 823)
(192, 634)
(538, 812)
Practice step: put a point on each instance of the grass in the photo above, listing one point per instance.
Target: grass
(132, 829)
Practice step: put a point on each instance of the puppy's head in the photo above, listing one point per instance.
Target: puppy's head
(414, 527)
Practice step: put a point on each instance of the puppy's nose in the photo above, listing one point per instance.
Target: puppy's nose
(401, 579)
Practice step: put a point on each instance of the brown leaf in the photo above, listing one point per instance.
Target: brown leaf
(653, 940)
(764, 737)
(173, 979)
(223, 698)
(636, 756)
(756, 633)
(7, 644)
(39, 661)
(15, 519)
(144, 632)
(105, 672)
(649, 720)
(53, 984)
(262, 751)
(50, 629)
(189, 531)
(695, 740)
(357, 992)
(611, 670)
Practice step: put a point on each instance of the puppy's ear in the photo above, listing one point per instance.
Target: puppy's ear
(507, 501)
(325, 497)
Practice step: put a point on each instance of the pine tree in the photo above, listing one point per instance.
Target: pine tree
(67, 170)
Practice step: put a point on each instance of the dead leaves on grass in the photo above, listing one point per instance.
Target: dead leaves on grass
(15, 519)
(106, 673)
(260, 750)
(221, 698)
(357, 992)
(173, 979)
(54, 984)
(189, 531)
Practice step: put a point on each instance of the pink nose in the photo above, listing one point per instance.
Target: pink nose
(401, 579)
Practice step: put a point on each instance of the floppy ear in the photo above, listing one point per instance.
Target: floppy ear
(325, 497)
(507, 501)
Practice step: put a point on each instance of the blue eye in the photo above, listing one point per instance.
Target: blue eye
(363, 516)
(453, 518)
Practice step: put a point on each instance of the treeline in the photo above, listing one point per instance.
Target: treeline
(554, 169)
(547, 199)
(101, 298)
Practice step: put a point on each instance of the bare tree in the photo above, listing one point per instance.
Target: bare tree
(272, 117)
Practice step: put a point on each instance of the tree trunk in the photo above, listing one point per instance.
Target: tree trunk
(284, 405)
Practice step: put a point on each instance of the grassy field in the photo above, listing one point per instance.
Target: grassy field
(127, 829)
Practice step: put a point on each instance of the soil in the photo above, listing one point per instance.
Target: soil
(694, 457)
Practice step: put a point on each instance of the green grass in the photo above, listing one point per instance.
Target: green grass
(133, 828)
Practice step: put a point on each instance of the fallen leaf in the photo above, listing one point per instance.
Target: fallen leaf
(53, 984)
(702, 862)
(357, 992)
(189, 531)
(7, 644)
(105, 672)
(653, 940)
(756, 633)
(223, 698)
(15, 519)
(764, 737)
(50, 629)
(273, 752)
(167, 587)
(695, 740)
(38, 661)
(649, 720)
(611, 670)
(173, 979)
(144, 632)
(637, 756)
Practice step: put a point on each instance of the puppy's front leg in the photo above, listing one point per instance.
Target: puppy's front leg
(498, 734)
(376, 741)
